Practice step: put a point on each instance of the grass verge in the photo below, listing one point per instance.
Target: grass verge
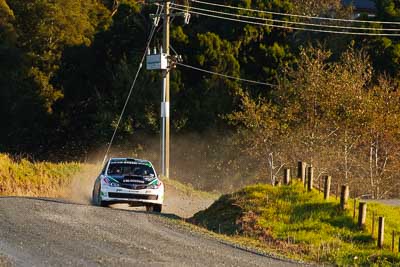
(289, 221)
(25, 178)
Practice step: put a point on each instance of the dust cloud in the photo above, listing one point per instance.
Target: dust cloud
(80, 189)
(208, 161)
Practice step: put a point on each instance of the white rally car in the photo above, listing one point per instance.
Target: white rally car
(128, 180)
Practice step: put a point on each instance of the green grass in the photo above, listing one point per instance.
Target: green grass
(298, 224)
(25, 178)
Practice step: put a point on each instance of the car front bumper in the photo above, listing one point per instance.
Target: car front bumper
(132, 196)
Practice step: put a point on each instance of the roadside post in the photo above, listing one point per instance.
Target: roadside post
(310, 177)
(362, 214)
(344, 197)
(327, 186)
(381, 231)
(286, 177)
(301, 171)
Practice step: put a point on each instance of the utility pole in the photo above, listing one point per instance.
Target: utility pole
(165, 104)
(162, 60)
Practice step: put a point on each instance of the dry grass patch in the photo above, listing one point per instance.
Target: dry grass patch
(26, 178)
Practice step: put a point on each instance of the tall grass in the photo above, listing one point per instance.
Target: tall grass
(25, 178)
(300, 224)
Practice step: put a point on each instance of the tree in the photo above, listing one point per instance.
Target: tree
(382, 138)
(45, 27)
(258, 125)
(212, 95)
(388, 9)
(325, 112)
(317, 8)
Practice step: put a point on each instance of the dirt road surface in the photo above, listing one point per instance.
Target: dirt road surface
(389, 202)
(46, 232)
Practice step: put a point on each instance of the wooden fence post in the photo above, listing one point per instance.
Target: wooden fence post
(393, 236)
(327, 187)
(381, 231)
(286, 177)
(310, 178)
(301, 171)
(373, 224)
(354, 208)
(344, 197)
(362, 214)
(320, 189)
(337, 190)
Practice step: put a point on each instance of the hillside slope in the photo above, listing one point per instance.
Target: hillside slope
(293, 222)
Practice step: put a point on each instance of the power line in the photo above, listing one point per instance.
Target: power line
(224, 75)
(153, 29)
(289, 22)
(284, 27)
(295, 15)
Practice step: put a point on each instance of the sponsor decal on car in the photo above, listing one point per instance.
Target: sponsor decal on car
(146, 163)
(133, 181)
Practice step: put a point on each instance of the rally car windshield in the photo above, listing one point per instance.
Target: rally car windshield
(121, 169)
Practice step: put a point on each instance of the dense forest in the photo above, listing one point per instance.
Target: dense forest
(333, 100)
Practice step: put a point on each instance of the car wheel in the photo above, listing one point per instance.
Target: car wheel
(157, 208)
(101, 202)
(96, 199)
(149, 208)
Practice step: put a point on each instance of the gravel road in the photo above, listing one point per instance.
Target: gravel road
(44, 232)
(176, 202)
(390, 202)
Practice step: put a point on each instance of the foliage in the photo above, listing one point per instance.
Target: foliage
(45, 28)
(297, 223)
(314, 8)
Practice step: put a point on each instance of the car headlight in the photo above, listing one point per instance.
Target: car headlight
(154, 185)
(108, 182)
